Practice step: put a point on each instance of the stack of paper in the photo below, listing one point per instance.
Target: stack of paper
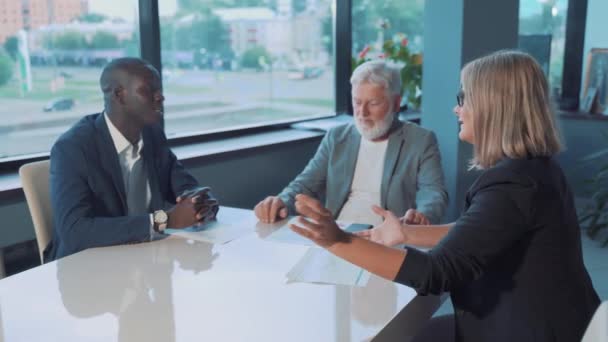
(320, 266)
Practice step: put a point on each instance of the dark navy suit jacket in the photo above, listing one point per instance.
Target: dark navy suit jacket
(87, 190)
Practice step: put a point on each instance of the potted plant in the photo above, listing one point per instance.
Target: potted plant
(594, 217)
(397, 51)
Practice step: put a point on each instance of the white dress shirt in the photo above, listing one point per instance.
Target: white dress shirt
(134, 175)
(367, 180)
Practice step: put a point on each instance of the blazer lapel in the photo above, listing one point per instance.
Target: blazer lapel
(350, 151)
(393, 151)
(109, 159)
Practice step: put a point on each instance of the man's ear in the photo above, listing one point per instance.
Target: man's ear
(397, 103)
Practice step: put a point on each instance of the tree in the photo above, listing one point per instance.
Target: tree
(189, 6)
(104, 40)
(11, 45)
(70, 40)
(131, 46)
(252, 57)
(7, 67)
(298, 6)
(206, 31)
(327, 32)
(93, 18)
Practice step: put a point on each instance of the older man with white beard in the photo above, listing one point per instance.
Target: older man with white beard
(377, 161)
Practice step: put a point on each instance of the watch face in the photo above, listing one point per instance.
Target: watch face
(160, 217)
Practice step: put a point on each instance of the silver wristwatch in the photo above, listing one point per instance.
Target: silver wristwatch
(160, 220)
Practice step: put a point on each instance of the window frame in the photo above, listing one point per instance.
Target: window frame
(150, 50)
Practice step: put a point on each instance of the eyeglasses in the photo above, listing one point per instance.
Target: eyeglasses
(460, 98)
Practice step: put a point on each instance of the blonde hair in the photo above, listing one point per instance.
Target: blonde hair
(508, 97)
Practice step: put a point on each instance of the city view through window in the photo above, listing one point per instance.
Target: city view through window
(542, 30)
(227, 64)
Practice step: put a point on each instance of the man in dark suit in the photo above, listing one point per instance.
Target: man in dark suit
(113, 178)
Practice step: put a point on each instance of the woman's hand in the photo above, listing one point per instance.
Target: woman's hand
(388, 233)
(317, 223)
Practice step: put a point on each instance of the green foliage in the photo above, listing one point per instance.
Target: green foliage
(104, 40)
(69, 40)
(389, 22)
(595, 217)
(327, 30)
(256, 57)
(189, 6)
(131, 46)
(7, 67)
(401, 16)
(396, 50)
(11, 45)
(206, 31)
(298, 6)
(92, 18)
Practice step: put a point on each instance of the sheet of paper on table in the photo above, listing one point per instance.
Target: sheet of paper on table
(213, 232)
(320, 266)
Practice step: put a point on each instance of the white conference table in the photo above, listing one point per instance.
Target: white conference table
(182, 290)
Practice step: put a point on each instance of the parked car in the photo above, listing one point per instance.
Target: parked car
(59, 104)
(304, 73)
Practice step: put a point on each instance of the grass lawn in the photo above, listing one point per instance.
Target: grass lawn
(311, 102)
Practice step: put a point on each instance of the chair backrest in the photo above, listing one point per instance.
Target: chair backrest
(597, 331)
(35, 183)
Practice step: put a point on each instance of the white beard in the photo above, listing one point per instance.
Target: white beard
(379, 129)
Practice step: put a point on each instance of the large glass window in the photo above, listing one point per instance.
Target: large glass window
(542, 33)
(50, 61)
(391, 29)
(244, 63)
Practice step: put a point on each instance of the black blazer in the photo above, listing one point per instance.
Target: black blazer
(513, 260)
(87, 191)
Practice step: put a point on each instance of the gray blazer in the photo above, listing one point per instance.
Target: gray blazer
(412, 176)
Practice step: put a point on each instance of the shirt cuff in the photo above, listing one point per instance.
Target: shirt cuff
(152, 227)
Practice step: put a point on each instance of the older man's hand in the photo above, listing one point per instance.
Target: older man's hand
(413, 216)
(271, 208)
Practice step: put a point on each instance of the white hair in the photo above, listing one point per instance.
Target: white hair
(378, 72)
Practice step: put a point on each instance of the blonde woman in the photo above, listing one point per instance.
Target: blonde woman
(512, 262)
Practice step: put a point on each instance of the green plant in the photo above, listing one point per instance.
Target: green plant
(6, 68)
(594, 217)
(397, 51)
(256, 57)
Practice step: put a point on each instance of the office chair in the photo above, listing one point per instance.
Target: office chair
(35, 181)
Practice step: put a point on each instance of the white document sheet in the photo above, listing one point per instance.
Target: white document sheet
(286, 235)
(213, 232)
(320, 266)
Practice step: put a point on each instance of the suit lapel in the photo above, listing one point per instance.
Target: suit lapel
(393, 151)
(109, 159)
(350, 148)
